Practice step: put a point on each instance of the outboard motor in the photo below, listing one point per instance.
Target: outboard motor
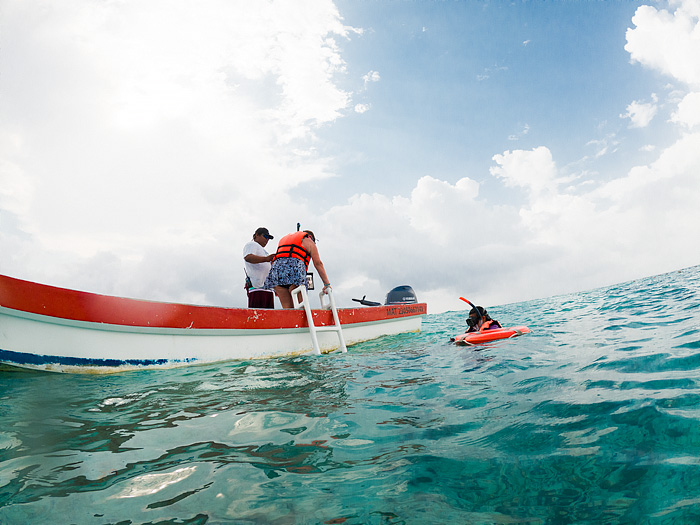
(401, 295)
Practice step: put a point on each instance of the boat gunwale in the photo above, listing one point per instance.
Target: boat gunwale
(168, 330)
(52, 302)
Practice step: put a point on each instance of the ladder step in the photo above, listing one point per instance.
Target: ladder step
(328, 328)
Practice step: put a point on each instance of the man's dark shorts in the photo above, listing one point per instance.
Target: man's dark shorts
(261, 299)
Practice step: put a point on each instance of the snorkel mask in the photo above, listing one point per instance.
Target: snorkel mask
(476, 316)
(473, 322)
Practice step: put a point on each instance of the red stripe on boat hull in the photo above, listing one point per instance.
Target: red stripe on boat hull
(63, 303)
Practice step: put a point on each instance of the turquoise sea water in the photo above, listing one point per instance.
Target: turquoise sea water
(592, 418)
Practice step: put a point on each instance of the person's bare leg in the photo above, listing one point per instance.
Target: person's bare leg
(285, 296)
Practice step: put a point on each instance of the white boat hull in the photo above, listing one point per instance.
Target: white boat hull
(88, 333)
(73, 346)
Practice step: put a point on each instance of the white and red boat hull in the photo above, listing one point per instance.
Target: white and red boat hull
(57, 329)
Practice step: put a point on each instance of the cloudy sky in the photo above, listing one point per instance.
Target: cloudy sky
(499, 151)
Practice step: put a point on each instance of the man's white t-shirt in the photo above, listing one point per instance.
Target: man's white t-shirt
(257, 272)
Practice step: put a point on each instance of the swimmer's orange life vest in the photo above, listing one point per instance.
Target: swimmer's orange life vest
(485, 325)
(290, 246)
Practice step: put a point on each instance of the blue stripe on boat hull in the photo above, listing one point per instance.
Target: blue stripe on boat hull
(23, 359)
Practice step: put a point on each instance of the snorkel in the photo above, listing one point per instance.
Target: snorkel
(475, 309)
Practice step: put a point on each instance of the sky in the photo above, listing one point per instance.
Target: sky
(500, 151)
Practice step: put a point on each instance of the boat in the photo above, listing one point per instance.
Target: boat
(475, 338)
(55, 329)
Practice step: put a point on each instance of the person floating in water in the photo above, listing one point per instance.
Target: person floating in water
(479, 320)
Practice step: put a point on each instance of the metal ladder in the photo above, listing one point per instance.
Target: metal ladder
(301, 291)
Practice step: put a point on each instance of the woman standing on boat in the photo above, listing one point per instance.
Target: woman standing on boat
(291, 263)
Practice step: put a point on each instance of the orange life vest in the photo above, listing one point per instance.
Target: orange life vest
(290, 246)
(485, 325)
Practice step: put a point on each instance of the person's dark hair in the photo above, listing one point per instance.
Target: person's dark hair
(264, 232)
(311, 234)
(482, 311)
(473, 317)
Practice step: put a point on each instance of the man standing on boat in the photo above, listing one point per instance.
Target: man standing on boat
(257, 266)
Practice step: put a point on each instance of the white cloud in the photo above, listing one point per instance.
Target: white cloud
(361, 108)
(520, 134)
(16, 188)
(645, 185)
(604, 146)
(372, 76)
(688, 112)
(534, 170)
(667, 42)
(446, 241)
(441, 236)
(489, 71)
(131, 126)
(641, 113)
